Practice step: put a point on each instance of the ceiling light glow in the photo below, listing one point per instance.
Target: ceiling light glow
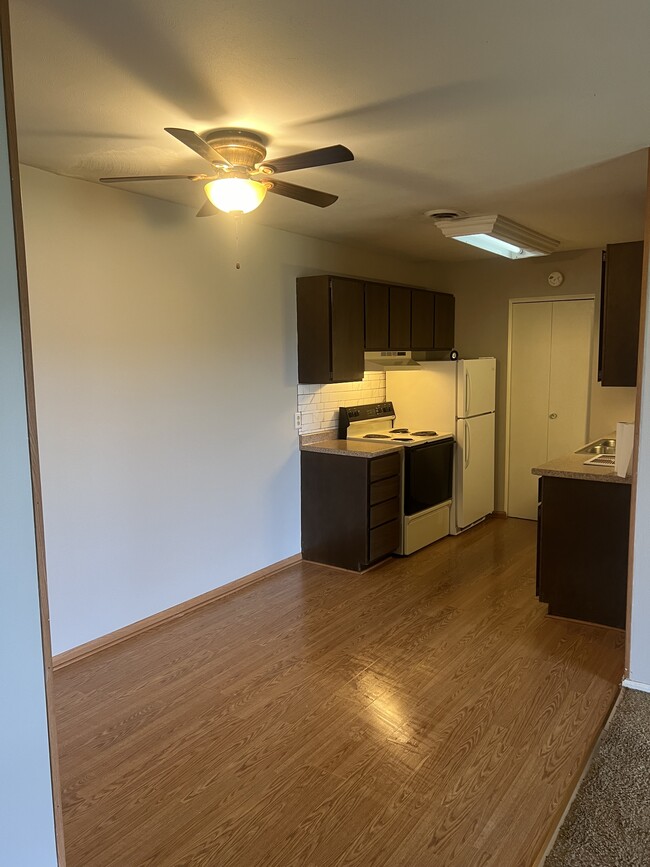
(236, 195)
(497, 234)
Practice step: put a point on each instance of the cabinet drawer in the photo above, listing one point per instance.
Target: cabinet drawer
(381, 468)
(383, 512)
(383, 540)
(385, 489)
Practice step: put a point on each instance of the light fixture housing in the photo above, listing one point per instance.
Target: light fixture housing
(235, 194)
(497, 234)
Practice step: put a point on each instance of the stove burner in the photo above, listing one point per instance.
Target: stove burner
(376, 437)
(425, 433)
(399, 430)
(403, 439)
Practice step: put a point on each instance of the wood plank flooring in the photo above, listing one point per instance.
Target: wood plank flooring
(426, 713)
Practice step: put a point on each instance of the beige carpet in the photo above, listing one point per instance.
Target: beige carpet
(609, 821)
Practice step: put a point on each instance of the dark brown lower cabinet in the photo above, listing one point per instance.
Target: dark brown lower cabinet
(583, 549)
(350, 508)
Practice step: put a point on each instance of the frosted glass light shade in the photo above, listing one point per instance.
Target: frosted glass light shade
(235, 194)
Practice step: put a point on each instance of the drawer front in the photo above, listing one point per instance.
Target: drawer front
(383, 540)
(383, 512)
(381, 468)
(385, 489)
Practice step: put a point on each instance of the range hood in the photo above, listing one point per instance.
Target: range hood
(390, 360)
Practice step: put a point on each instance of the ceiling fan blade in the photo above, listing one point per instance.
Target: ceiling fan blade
(208, 210)
(302, 194)
(321, 157)
(151, 178)
(197, 144)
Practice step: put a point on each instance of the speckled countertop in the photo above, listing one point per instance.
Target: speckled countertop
(351, 448)
(573, 467)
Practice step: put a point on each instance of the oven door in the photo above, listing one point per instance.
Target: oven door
(428, 475)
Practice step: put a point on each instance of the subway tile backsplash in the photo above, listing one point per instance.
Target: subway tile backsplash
(319, 404)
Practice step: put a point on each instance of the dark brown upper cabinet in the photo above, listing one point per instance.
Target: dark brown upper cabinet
(444, 319)
(620, 307)
(330, 329)
(422, 319)
(399, 336)
(377, 316)
(432, 321)
(340, 316)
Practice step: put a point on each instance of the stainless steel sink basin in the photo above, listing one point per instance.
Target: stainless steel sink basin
(599, 447)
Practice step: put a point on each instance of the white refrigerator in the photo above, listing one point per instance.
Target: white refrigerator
(456, 397)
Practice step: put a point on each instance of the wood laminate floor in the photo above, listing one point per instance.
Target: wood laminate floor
(426, 713)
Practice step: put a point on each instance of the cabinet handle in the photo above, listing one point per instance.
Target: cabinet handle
(553, 415)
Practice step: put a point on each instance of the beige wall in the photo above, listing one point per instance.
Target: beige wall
(166, 392)
(483, 289)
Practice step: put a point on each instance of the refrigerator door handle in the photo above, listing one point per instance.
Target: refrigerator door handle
(467, 445)
(468, 387)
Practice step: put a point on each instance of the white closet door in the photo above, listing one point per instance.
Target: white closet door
(550, 363)
(530, 372)
(573, 323)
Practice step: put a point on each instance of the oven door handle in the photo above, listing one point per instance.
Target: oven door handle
(467, 444)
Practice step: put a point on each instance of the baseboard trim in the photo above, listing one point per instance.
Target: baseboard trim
(584, 622)
(635, 684)
(75, 654)
(499, 514)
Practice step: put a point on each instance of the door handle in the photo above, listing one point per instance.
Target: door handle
(467, 388)
(467, 441)
(553, 415)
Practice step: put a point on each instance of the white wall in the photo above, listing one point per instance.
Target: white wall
(166, 394)
(639, 629)
(26, 812)
(483, 289)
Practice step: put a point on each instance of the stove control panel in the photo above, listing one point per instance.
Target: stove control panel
(366, 412)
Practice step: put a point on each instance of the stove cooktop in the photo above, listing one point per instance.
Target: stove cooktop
(401, 435)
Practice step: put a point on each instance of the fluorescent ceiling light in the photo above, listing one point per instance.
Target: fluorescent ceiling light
(498, 235)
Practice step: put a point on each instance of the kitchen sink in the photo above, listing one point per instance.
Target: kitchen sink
(599, 447)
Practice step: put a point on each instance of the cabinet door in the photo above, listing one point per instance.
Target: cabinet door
(346, 306)
(583, 573)
(400, 317)
(376, 315)
(422, 319)
(620, 312)
(445, 309)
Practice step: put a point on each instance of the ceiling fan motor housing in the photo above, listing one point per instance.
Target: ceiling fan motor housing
(242, 149)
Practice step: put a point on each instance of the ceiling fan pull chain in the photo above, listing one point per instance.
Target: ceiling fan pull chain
(237, 221)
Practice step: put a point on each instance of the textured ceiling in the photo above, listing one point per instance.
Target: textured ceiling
(537, 110)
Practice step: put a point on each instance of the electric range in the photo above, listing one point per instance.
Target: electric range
(427, 469)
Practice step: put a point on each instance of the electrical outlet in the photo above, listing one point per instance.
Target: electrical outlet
(297, 420)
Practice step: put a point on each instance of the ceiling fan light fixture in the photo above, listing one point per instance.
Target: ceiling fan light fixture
(497, 234)
(241, 195)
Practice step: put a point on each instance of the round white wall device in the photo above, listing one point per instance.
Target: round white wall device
(555, 278)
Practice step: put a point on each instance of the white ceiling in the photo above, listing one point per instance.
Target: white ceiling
(535, 109)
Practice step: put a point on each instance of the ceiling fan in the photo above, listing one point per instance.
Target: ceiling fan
(241, 175)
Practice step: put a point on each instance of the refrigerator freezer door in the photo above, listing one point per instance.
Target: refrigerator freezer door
(476, 386)
(474, 487)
